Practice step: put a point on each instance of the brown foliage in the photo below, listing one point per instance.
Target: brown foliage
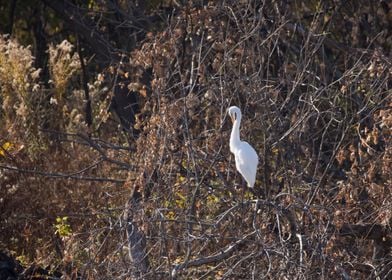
(313, 82)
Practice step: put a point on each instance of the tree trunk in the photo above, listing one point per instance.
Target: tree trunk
(136, 238)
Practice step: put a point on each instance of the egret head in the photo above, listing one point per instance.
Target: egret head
(234, 113)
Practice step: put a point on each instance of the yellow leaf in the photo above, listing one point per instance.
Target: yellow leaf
(181, 201)
(211, 199)
(181, 196)
(182, 179)
(170, 215)
(248, 195)
(5, 147)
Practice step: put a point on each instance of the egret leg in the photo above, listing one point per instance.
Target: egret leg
(244, 186)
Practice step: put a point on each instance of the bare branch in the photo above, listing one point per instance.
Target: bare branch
(85, 27)
(225, 253)
(61, 175)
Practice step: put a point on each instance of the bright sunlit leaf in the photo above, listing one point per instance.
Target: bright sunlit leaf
(5, 147)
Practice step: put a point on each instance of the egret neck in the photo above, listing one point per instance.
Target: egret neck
(235, 133)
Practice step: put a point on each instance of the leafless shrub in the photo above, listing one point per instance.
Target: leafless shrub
(318, 113)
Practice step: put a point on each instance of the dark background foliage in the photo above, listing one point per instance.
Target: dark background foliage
(114, 157)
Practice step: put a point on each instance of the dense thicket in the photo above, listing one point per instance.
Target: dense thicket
(114, 157)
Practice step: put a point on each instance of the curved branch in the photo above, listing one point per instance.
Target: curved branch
(213, 258)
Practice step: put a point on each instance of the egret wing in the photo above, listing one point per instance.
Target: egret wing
(246, 163)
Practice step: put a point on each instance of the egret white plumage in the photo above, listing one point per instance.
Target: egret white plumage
(246, 159)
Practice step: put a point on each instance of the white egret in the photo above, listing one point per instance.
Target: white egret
(246, 159)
